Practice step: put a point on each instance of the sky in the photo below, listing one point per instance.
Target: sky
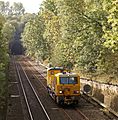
(31, 6)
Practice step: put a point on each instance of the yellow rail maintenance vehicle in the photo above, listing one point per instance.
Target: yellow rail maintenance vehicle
(62, 86)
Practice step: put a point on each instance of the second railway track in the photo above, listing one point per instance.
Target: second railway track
(71, 114)
(84, 111)
(35, 107)
(96, 111)
(74, 113)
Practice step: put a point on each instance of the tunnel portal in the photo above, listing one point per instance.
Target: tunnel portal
(16, 48)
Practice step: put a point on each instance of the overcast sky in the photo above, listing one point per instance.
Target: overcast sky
(31, 6)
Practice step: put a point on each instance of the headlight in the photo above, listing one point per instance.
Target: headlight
(60, 91)
(76, 92)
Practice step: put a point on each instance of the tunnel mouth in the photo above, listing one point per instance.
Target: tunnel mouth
(16, 48)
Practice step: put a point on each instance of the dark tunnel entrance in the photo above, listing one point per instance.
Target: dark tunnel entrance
(16, 48)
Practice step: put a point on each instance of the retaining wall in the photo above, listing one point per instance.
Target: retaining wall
(105, 93)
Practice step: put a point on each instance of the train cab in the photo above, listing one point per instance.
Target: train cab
(62, 86)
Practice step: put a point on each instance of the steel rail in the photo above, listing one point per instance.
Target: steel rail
(24, 93)
(94, 99)
(42, 106)
(61, 108)
(67, 114)
(82, 114)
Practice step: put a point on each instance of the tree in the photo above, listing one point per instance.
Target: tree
(111, 31)
(73, 33)
(33, 38)
(18, 8)
(15, 9)
(8, 32)
(27, 17)
(2, 7)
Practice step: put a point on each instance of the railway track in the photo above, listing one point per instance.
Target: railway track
(42, 81)
(32, 115)
(34, 107)
(82, 113)
(78, 113)
(30, 76)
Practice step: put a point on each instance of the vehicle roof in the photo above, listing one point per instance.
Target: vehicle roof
(55, 68)
(67, 74)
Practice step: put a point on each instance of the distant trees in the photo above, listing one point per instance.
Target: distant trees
(76, 33)
(15, 9)
(15, 20)
(34, 42)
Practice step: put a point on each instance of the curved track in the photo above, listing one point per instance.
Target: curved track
(96, 110)
(78, 113)
(31, 76)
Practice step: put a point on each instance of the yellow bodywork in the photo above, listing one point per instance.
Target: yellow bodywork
(67, 88)
(62, 92)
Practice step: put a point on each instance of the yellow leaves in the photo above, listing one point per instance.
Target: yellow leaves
(47, 15)
(73, 31)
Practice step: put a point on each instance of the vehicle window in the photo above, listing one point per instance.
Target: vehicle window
(63, 80)
(68, 80)
(72, 80)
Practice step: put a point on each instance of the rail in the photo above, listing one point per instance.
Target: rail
(60, 108)
(101, 104)
(42, 106)
(24, 93)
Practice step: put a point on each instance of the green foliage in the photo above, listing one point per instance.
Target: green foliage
(81, 33)
(7, 29)
(10, 29)
(8, 32)
(15, 9)
(27, 17)
(18, 8)
(3, 47)
(111, 32)
(2, 75)
(33, 38)
(3, 63)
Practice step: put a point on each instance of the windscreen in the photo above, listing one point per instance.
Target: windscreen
(68, 80)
